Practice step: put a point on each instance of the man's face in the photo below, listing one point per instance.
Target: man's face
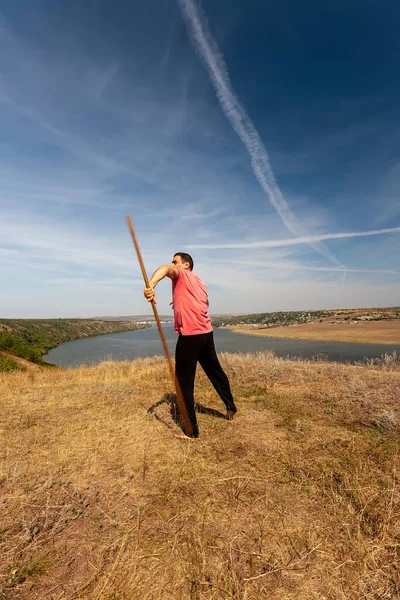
(177, 261)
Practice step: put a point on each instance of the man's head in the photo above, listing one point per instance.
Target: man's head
(183, 261)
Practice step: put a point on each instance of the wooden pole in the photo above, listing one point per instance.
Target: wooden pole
(186, 423)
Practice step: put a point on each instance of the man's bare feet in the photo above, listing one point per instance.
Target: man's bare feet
(230, 414)
(182, 436)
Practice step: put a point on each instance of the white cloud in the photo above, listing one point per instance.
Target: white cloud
(92, 142)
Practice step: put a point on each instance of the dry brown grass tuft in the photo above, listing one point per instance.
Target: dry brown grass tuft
(297, 498)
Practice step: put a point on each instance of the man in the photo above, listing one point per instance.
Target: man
(193, 325)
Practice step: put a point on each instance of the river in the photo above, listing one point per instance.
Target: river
(128, 345)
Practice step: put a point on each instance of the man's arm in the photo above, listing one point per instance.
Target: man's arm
(163, 271)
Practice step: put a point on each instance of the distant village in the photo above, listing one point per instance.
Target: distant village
(152, 321)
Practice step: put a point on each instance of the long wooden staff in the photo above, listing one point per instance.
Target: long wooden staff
(186, 423)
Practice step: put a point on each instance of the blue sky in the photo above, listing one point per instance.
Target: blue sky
(263, 138)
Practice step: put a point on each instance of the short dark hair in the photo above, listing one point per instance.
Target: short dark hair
(186, 258)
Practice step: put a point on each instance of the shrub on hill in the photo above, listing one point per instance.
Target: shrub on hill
(19, 347)
(8, 364)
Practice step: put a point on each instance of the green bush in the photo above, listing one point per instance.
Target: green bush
(7, 364)
(19, 347)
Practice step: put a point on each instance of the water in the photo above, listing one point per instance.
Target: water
(128, 345)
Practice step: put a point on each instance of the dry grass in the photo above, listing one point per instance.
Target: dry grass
(297, 498)
(364, 332)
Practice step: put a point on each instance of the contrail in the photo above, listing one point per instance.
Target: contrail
(309, 239)
(283, 265)
(208, 50)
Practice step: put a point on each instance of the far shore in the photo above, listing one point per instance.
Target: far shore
(364, 332)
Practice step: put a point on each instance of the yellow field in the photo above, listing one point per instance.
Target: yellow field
(297, 498)
(365, 332)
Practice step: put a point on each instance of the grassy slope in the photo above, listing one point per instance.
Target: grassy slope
(9, 362)
(297, 498)
(31, 338)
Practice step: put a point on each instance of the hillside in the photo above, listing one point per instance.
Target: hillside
(30, 339)
(297, 498)
(327, 317)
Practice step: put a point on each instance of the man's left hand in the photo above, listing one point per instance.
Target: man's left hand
(150, 294)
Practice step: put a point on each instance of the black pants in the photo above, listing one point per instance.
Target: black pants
(191, 349)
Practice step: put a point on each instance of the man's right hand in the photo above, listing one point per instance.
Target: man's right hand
(150, 294)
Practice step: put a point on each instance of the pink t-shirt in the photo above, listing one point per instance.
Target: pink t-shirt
(189, 295)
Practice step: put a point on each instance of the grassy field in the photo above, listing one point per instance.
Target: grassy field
(297, 498)
(365, 332)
